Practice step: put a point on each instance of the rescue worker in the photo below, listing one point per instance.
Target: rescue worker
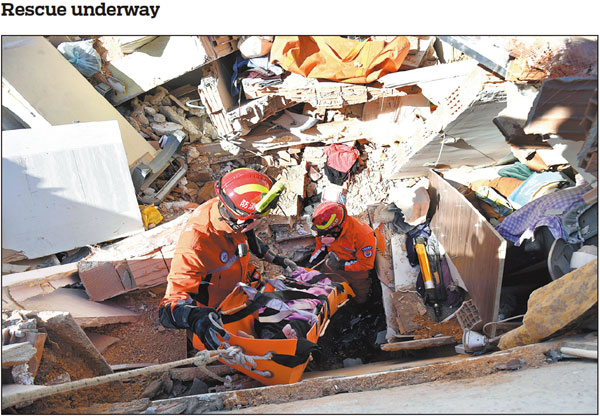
(348, 245)
(211, 256)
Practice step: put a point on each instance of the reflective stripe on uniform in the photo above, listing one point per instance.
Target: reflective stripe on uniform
(316, 254)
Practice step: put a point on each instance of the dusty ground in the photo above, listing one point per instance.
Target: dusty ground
(144, 341)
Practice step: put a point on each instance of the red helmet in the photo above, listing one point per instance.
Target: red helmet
(241, 189)
(327, 217)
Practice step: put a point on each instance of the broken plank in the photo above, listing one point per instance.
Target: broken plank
(15, 354)
(37, 339)
(77, 303)
(184, 90)
(101, 342)
(321, 94)
(245, 117)
(405, 306)
(472, 243)
(265, 139)
(18, 287)
(178, 103)
(37, 275)
(418, 344)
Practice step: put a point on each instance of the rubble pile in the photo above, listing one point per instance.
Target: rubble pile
(452, 143)
(161, 113)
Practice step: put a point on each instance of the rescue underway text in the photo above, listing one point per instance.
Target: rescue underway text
(102, 9)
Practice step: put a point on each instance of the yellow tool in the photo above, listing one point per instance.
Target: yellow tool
(427, 275)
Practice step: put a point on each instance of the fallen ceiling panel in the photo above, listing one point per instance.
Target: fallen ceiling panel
(460, 132)
(65, 187)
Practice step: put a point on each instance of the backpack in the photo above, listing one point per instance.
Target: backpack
(342, 161)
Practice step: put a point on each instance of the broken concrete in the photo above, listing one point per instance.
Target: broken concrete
(15, 354)
(63, 331)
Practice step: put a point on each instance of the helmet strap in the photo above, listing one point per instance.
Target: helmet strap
(229, 218)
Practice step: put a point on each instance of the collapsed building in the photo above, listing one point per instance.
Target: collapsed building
(480, 150)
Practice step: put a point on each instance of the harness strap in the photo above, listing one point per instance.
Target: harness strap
(262, 299)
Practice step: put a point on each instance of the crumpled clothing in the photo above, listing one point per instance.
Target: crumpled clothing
(544, 211)
(254, 68)
(516, 170)
(304, 275)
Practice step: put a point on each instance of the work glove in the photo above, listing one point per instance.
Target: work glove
(334, 262)
(206, 323)
(288, 265)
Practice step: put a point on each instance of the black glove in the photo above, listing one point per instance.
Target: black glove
(334, 262)
(206, 323)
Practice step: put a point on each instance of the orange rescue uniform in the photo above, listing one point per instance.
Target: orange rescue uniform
(205, 265)
(356, 245)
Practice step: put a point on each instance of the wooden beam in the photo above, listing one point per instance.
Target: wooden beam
(418, 344)
(37, 339)
(38, 275)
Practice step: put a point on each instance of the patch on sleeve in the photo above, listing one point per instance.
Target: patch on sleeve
(367, 251)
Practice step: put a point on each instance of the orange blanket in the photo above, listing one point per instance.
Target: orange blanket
(339, 59)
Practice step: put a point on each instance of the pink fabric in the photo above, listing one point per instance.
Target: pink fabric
(341, 157)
